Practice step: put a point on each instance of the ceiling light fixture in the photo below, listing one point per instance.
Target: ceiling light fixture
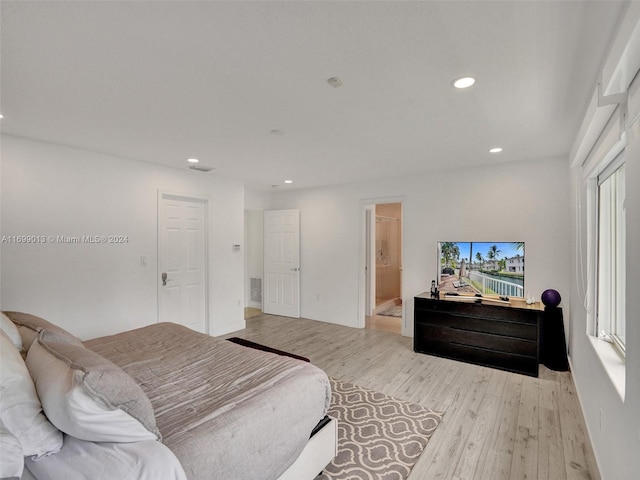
(192, 160)
(495, 150)
(335, 82)
(288, 181)
(463, 82)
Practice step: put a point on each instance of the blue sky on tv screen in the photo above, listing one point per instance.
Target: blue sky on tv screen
(505, 249)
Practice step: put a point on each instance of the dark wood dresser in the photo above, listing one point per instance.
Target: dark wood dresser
(499, 336)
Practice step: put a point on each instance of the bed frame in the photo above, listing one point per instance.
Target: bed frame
(319, 451)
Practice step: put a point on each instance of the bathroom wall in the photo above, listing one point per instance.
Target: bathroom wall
(388, 252)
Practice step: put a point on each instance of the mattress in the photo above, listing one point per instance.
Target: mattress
(226, 411)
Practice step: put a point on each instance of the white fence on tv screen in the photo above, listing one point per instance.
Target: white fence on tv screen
(500, 287)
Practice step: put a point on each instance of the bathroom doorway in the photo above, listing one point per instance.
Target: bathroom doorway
(385, 310)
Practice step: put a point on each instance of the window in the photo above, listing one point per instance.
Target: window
(611, 255)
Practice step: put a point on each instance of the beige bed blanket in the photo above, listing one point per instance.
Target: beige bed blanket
(226, 411)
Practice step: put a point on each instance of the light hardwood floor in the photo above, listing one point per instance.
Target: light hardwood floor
(497, 425)
(380, 322)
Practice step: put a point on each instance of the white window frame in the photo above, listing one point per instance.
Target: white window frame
(611, 252)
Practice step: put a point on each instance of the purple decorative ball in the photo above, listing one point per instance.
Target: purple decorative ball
(551, 298)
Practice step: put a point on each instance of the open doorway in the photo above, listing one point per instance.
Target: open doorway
(384, 302)
(253, 262)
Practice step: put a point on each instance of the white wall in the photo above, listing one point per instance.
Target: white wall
(510, 202)
(93, 290)
(613, 422)
(254, 200)
(1, 221)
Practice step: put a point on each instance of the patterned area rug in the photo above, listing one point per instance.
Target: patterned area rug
(395, 311)
(379, 437)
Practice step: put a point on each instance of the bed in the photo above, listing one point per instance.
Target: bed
(165, 402)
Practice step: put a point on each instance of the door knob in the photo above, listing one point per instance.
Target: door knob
(164, 279)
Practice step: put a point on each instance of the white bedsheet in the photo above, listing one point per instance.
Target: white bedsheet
(80, 460)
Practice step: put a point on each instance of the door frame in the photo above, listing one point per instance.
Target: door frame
(206, 200)
(370, 259)
(367, 257)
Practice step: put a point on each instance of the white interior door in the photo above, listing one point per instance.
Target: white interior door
(182, 254)
(281, 289)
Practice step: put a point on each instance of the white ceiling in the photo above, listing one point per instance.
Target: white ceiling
(162, 81)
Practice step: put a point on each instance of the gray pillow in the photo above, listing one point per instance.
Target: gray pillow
(29, 326)
(91, 377)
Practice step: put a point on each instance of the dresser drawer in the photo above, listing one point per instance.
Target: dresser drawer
(488, 341)
(497, 326)
(478, 310)
(489, 358)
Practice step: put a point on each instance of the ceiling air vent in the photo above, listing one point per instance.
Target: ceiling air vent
(200, 168)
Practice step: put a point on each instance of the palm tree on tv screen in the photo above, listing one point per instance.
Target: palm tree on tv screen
(450, 251)
(493, 252)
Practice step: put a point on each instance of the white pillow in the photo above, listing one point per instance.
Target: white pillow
(11, 330)
(12, 463)
(72, 401)
(20, 409)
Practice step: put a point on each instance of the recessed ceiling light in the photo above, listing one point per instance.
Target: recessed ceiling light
(288, 181)
(192, 160)
(1, 116)
(495, 150)
(463, 82)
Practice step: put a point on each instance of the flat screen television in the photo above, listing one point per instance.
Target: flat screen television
(486, 268)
